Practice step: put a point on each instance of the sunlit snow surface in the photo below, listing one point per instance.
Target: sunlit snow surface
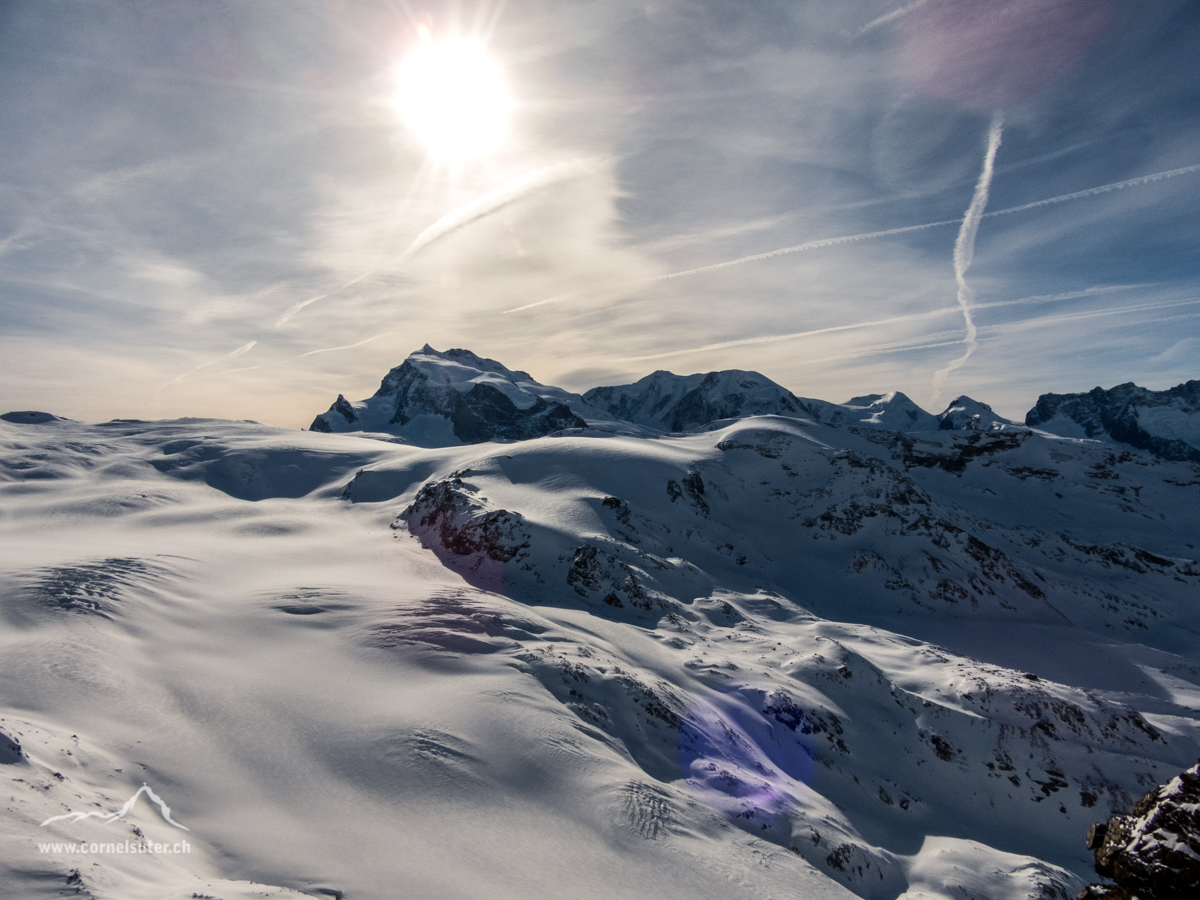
(774, 659)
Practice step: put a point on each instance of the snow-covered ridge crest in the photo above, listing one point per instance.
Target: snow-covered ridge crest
(441, 399)
(674, 403)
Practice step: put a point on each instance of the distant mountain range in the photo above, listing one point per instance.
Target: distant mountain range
(442, 399)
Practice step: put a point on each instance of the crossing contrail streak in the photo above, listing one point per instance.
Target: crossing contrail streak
(890, 17)
(494, 200)
(1092, 192)
(773, 338)
(500, 197)
(851, 238)
(799, 248)
(964, 251)
(893, 320)
(240, 351)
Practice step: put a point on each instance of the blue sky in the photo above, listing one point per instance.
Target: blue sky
(179, 179)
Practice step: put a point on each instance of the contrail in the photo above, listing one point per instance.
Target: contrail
(557, 299)
(998, 330)
(240, 351)
(493, 200)
(846, 239)
(1092, 192)
(772, 338)
(499, 198)
(343, 347)
(893, 320)
(890, 17)
(798, 248)
(964, 251)
(810, 245)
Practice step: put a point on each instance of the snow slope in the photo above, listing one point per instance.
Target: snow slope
(774, 659)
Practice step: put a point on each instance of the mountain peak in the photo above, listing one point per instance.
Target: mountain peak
(893, 411)
(669, 402)
(965, 414)
(1164, 423)
(456, 397)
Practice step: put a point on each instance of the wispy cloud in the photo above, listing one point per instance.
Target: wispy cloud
(493, 201)
(891, 320)
(240, 351)
(888, 18)
(767, 187)
(823, 243)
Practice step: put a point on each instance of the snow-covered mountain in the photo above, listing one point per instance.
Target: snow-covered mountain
(437, 399)
(780, 657)
(965, 414)
(893, 411)
(441, 399)
(674, 403)
(1164, 423)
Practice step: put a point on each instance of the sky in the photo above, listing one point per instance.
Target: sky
(227, 209)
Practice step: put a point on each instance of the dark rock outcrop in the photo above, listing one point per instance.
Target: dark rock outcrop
(10, 750)
(485, 414)
(1154, 852)
(1125, 413)
(30, 417)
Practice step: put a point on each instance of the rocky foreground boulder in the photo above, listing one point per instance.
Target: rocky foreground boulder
(1154, 852)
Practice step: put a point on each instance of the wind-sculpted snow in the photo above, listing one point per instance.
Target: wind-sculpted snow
(774, 658)
(96, 587)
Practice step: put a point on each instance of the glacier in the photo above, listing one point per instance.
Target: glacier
(798, 648)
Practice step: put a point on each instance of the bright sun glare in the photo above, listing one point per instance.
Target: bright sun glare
(453, 96)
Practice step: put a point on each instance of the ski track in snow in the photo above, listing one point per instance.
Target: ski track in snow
(772, 659)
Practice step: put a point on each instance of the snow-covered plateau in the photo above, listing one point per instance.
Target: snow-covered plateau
(677, 639)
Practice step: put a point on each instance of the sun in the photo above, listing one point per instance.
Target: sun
(454, 97)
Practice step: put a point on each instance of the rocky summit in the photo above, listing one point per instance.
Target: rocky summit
(1164, 423)
(1154, 852)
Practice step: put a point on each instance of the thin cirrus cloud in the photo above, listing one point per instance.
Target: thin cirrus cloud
(491, 202)
(975, 216)
(225, 217)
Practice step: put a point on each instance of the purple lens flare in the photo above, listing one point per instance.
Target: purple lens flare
(992, 54)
